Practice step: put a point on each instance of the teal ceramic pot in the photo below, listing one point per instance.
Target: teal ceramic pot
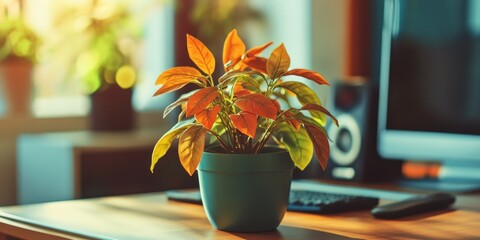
(245, 192)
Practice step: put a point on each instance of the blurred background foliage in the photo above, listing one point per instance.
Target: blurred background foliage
(17, 39)
(104, 33)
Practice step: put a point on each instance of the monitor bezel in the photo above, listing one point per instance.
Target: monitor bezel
(415, 145)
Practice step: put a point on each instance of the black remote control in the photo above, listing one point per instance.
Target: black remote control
(414, 205)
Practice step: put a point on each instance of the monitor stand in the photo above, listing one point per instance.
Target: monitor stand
(453, 177)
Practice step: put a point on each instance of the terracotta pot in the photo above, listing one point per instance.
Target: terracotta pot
(16, 78)
(111, 109)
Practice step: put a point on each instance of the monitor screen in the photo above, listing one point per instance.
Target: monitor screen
(430, 80)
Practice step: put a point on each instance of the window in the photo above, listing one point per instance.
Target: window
(56, 91)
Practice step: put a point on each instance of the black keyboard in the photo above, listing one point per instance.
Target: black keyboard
(322, 202)
(300, 201)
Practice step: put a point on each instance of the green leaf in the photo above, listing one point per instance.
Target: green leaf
(219, 128)
(234, 75)
(173, 105)
(164, 143)
(183, 98)
(298, 144)
(305, 95)
(306, 120)
(247, 79)
(191, 146)
(283, 97)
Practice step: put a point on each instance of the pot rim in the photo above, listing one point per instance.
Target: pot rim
(276, 160)
(271, 148)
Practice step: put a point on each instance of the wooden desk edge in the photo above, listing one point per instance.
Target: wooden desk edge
(11, 228)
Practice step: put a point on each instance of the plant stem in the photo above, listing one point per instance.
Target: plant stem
(259, 144)
(220, 140)
(210, 78)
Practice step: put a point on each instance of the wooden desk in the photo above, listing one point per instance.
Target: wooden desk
(151, 216)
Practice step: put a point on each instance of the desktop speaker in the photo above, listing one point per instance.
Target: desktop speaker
(353, 153)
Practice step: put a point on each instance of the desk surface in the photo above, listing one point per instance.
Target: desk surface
(151, 216)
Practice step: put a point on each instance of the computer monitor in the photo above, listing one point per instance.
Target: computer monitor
(429, 99)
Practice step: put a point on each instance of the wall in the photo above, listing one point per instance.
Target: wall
(10, 128)
(328, 44)
(318, 41)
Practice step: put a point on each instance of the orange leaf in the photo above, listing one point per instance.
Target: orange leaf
(278, 62)
(207, 117)
(316, 107)
(293, 122)
(257, 50)
(255, 63)
(200, 100)
(277, 104)
(180, 73)
(200, 55)
(258, 104)
(239, 90)
(245, 122)
(190, 147)
(173, 85)
(320, 143)
(233, 49)
(308, 74)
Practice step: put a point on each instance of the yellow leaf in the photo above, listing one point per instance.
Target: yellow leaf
(298, 144)
(191, 146)
(164, 143)
(200, 55)
(305, 95)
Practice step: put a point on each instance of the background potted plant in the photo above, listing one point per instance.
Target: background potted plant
(244, 185)
(18, 53)
(105, 35)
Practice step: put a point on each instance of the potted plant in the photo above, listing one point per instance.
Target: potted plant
(18, 49)
(244, 183)
(103, 58)
(110, 76)
(105, 63)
